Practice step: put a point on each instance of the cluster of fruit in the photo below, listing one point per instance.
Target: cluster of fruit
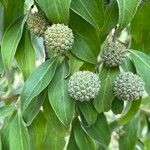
(85, 85)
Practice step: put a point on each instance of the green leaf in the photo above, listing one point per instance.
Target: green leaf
(88, 111)
(129, 138)
(91, 11)
(37, 132)
(33, 109)
(72, 145)
(13, 10)
(131, 112)
(57, 11)
(1, 22)
(104, 99)
(127, 10)
(142, 64)
(6, 111)
(11, 40)
(59, 97)
(100, 130)
(111, 19)
(18, 134)
(140, 29)
(0, 143)
(87, 41)
(117, 106)
(128, 66)
(55, 131)
(25, 55)
(38, 81)
(82, 139)
(1, 64)
(74, 64)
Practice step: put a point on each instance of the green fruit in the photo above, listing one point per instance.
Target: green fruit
(114, 54)
(37, 23)
(128, 86)
(84, 85)
(59, 38)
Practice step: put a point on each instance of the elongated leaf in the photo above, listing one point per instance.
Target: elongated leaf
(1, 22)
(59, 97)
(34, 107)
(127, 10)
(117, 106)
(25, 55)
(55, 131)
(18, 134)
(140, 29)
(6, 111)
(74, 64)
(128, 66)
(91, 11)
(142, 64)
(111, 19)
(37, 132)
(131, 112)
(72, 145)
(11, 40)
(57, 11)
(87, 41)
(13, 10)
(104, 99)
(88, 111)
(82, 139)
(38, 81)
(100, 130)
(129, 138)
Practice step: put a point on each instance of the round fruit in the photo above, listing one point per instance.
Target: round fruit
(84, 85)
(128, 86)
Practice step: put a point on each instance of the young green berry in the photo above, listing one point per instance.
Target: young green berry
(59, 38)
(114, 54)
(128, 86)
(83, 85)
(37, 23)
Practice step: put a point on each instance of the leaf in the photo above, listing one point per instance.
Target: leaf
(128, 66)
(57, 11)
(127, 10)
(34, 107)
(11, 40)
(55, 131)
(87, 41)
(1, 22)
(88, 111)
(59, 97)
(74, 64)
(37, 132)
(117, 106)
(140, 29)
(82, 139)
(25, 55)
(6, 111)
(131, 112)
(0, 143)
(18, 134)
(13, 10)
(72, 145)
(91, 11)
(142, 64)
(38, 81)
(110, 20)
(104, 99)
(1, 65)
(129, 138)
(100, 130)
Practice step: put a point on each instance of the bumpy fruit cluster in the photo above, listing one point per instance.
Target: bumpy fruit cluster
(128, 86)
(59, 38)
(37, 23)
(114, 54)
(83, 85)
